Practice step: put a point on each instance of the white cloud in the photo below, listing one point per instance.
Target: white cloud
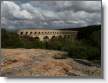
(9, 9)
(58, 22)
(92, 5)
(61, 13)
(38, 12)
(88, 6)
(63, 3)
(3, 20)
(22, 14)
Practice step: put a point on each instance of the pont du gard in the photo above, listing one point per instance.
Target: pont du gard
(43, 34)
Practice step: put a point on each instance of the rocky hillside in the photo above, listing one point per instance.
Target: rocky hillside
(40, 63)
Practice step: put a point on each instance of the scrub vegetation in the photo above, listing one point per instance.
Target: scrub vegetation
(87, 45)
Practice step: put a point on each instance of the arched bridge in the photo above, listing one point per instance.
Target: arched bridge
(44, 34)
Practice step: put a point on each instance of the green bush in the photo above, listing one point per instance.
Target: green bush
(10, 39)
(57, 45)
(89, 53)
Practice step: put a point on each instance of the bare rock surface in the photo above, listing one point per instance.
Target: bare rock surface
(41, 62)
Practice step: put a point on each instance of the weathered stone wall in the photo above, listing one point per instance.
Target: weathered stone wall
(47, 34)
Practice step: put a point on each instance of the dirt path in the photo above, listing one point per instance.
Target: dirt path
(40, 63)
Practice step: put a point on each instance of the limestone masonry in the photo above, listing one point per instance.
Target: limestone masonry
(43, 34)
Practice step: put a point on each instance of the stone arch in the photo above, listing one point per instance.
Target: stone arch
(68, 36)
(37, 38)
(35, 32)
(42, 32)
(26, 33)
(30, 33)
(38, 32)
(46, 38)
(21, 33)
(60, 37)
(53, 37)
(65, 36)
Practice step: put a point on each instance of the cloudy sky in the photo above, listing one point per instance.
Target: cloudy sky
(49, 14)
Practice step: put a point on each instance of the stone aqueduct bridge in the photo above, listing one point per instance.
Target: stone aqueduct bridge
(43, 34)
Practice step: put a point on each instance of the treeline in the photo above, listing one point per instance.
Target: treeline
(86, 46)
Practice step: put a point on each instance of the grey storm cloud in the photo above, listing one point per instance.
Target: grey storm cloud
(53, 14)
(88, 6)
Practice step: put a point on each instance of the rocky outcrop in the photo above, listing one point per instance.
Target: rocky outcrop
(43, 63)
